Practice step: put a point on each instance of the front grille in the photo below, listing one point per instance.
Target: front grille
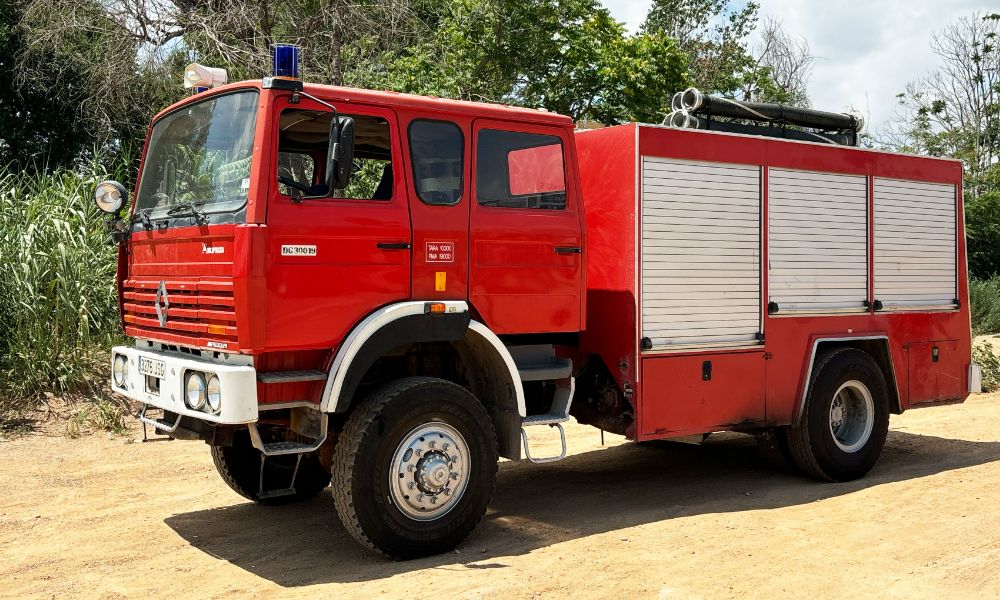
(201, 312)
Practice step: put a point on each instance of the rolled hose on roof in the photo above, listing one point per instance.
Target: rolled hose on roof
(693, 102)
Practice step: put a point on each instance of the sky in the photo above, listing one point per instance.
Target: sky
(865, 52)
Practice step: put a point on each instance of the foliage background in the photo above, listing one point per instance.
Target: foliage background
(80, 80)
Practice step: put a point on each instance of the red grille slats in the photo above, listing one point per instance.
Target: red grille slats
(200, 312)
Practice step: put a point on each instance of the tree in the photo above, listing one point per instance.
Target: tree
(955, 111)
(982, 231)
(568, 56)
(37, 130)
(782, 70)
(713, 35)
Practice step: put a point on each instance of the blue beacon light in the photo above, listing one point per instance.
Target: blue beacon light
(285, 61)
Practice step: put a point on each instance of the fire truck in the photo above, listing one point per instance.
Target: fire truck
(381, 293)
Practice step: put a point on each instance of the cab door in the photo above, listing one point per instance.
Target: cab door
(333, 255)
(438, 155)
(526, 239)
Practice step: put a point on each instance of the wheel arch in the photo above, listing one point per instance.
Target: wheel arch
(876, 346)
(489, 368)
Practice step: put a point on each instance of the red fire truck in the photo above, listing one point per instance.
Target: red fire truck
(384, 291)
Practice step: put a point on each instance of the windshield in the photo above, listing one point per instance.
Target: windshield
(199, 157)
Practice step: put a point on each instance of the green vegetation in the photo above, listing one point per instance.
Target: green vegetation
(58, 304)
(984, 355)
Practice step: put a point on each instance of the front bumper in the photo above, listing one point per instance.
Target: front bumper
(238, 385)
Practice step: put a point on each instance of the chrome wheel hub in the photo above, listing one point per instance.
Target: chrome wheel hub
(429, 471)
(852, 416)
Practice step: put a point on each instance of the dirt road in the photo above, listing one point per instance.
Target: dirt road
(107, 518)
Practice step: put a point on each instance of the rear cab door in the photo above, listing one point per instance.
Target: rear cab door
(525, 228)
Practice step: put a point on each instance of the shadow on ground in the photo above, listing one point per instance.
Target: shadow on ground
(539, 505)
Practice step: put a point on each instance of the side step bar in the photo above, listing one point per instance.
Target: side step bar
(540, 363)
(286, 448)
(272, 449)
(558, 415)
(290, 376)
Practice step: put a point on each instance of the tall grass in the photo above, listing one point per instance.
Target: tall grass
(58, 307)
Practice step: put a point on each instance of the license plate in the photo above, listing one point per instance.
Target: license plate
(153, 368)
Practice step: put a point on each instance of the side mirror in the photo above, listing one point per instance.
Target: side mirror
(340, 153)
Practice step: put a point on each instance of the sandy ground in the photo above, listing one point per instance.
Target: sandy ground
(105, 517)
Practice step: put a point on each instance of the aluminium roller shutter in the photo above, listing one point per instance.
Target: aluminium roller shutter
(700, 253)
(915, 246)
(817, 241)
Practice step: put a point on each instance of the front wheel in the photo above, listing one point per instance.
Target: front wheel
(414, 468)
(845, 420)
(239, 465)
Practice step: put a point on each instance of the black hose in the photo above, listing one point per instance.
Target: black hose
(697, 103)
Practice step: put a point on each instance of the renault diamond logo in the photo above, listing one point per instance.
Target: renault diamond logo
(162, 304)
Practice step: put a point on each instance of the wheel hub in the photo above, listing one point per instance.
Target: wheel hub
(433, 472)
(852, 416)
(429, 471)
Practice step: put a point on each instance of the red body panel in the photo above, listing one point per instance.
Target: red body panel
(763, 386)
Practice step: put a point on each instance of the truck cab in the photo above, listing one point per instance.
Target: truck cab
(269, 300)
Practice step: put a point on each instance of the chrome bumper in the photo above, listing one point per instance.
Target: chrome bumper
(238, 384)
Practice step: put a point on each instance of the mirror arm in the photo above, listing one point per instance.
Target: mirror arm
(336, 115)
(335, 122)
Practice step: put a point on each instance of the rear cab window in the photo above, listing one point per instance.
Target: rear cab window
(520, 170)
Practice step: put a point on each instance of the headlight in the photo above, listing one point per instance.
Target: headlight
(119, 370)
(110, 196)
(214, 395)
(195, 390)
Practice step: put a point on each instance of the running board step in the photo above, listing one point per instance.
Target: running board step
(538, 362)
(290, 376)
(280, 448)
(557, 415)
(286, 448)
(556, 368)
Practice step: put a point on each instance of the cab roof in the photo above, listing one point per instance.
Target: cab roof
(389, 99)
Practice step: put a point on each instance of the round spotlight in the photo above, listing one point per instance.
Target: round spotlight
(119, 370)
(110, 196)
(196, 390)
(214, 395)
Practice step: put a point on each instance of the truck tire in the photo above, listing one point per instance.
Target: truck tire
(239, 467)
(415, 467)
(843, 425)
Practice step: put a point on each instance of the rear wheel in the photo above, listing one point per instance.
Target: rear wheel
(239, 466)
(845, 420)
(414, 468)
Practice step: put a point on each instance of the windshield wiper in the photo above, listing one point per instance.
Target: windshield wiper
(185, 209)
(141, 216)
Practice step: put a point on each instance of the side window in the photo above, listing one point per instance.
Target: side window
(295, 168)
(302, 147)
(520, 170)
(436, 152)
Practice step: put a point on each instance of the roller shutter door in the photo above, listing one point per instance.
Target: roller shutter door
(700, 253)
(817, 241)
(915, 246)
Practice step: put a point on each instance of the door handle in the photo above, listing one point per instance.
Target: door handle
(393, 245)
(568, 250)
